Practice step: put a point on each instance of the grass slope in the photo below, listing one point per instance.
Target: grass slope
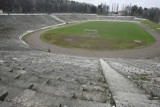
(152, 25)
(110, 36)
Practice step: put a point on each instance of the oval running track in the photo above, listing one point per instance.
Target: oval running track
(34, 41)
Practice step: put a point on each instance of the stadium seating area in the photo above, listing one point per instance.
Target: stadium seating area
(32, 78)
(143, 72)
(51, 80)
(76, 17)
(12, 26)
(125, 18)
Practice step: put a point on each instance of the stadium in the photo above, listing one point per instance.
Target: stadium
(78, 60)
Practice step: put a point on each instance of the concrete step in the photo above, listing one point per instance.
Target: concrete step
(124, 92)
(31, 98)
(9, 104)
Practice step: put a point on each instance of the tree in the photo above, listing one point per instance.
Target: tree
(103, 9)
(154, 14)
(140, 11)
(134, 10)
(70, 6)
(145, 13)
(128, 10)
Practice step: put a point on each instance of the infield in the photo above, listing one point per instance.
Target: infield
(100, 35)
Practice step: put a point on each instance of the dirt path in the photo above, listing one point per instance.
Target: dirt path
(34, 41)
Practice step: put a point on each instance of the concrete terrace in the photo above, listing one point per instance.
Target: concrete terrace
(32, 78)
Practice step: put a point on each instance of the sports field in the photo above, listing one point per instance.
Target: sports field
(99, 35)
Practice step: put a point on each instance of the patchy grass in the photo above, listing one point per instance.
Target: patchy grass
(144, 77)
(24, 38)
(110, 36)
(152, 25)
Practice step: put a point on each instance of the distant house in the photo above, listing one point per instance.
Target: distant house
(1, 11)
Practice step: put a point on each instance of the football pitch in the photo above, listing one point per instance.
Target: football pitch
(99, 35)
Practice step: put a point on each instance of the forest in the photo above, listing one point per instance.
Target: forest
(68, 6)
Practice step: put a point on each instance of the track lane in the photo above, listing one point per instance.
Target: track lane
(34, 41)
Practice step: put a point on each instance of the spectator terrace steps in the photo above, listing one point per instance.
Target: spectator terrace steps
(39, 79)
(124, 92)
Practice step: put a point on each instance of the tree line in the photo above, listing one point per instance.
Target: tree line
(69, 6)
(152, 14)
(45, 6)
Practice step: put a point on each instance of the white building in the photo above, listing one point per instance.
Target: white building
(1, 11)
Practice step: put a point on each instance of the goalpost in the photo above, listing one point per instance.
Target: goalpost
(90, 32)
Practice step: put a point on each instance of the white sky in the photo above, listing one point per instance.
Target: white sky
(143, 3)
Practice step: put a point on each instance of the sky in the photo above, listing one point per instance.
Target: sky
(143, 3)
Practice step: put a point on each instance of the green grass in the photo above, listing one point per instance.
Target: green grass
(110, 36)
(24, 38)
(144, 77)
(152, 25)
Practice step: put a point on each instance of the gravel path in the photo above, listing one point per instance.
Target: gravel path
(151, 51)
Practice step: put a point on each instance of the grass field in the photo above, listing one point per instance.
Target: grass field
(109, 36)
(152, 25)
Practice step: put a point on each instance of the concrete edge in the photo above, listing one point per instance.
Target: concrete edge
(31, 31)
(104, 65)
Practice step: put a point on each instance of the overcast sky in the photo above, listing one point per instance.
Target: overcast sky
(143, 3)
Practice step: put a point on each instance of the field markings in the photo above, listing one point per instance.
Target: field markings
(149, 51)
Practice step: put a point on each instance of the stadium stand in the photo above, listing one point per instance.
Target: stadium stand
(126, 18)
(70, 17)
(12, 26)
(32, 78)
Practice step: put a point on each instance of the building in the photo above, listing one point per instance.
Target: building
(1, 11)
